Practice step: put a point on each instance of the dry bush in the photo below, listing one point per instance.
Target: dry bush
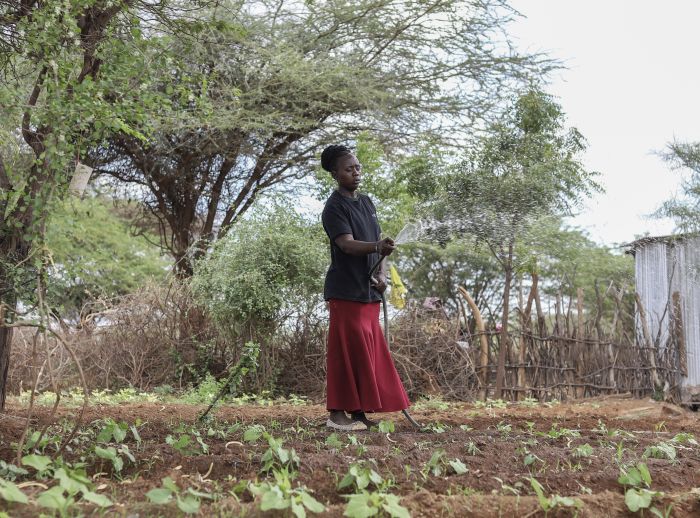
(431, 355)
(151, 337)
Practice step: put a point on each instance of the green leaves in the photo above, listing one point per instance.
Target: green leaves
(367, 504)
(190, 443)
(333, 441)
(110, 453)
(360, 477)
(583, 450)
(188, 501)
(440, 465)
(38, 462)
(662, 450)
(253, 433)
(11, 493)
(554, 501)
(637, 499)
(273, 264)
(386, 426)
(160, 495)
(281, 495)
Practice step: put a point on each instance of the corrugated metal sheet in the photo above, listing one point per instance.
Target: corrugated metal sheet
(663, 266)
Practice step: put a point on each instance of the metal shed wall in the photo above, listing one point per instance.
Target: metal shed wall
(662, 267)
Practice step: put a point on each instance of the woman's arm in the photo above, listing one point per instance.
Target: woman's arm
(349, 246)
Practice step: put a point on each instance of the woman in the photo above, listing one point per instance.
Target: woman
(361, 376)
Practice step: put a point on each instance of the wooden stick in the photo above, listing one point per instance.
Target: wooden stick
(481, 329)
(647, 338)
(679, 333)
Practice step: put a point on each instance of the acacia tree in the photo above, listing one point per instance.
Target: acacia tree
(284, 78)
(526, 168)
(685, 210)
(72, 73)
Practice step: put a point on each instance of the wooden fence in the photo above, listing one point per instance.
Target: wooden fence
(557, 355)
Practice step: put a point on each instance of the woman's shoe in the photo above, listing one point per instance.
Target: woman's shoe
(355, 426)
(360, 417)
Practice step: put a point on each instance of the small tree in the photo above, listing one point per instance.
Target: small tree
(94, 254)
(254, 280)
(685, 211)
(526, 168)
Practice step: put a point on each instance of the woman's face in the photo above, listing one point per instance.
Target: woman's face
(348, 172)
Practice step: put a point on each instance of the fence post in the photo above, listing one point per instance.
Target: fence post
(647, 339)
(481, 329)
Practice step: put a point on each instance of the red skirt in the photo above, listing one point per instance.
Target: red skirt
(360, 372)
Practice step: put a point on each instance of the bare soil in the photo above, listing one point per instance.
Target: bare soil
(496, 483)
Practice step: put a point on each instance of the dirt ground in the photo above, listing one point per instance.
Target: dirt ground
(500, 447)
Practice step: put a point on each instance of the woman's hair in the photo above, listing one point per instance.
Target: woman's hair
(330, 156)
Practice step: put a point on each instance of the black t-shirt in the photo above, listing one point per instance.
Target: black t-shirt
(347, 277)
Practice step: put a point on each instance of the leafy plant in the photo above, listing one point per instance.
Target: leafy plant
(278, 457)
(436, 427)
(386, 426)
(637, 480)
(556, 433)
(360, 477)
(554, 501)
(684, 437)
(72, 481)
(11, 493)
(10, 471)
(366, 504)
(440, 465)
(583, 450)
(472, 448)
(504, 428)
(662, 450)
(281, 495)
(333, 441)
(491, 403)
(188, 501)
(188, 443)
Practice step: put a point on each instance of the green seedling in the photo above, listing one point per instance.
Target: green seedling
(436, 427)
(491, 403)
(386, 426)
(280, 495)
(9, 492)
(472, 449)
(332, 441)
(370, 504)
(553, 502)
(10, 471)
(188, 442)
(557, 433)
(188, 501)
(662, 450)
(277, 457)
(583, 450)
(684, 437)
(504, 428)
(637, 481)
(359, 477)
(440, 465)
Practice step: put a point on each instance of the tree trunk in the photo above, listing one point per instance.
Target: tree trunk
(8, 306)
(501, 366)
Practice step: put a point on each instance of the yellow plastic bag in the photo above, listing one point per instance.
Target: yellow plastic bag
(397, 297)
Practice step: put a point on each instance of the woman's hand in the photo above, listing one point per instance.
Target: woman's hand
(379, 282)
(386, 246)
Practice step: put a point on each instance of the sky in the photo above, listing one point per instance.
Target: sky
(631, 85)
